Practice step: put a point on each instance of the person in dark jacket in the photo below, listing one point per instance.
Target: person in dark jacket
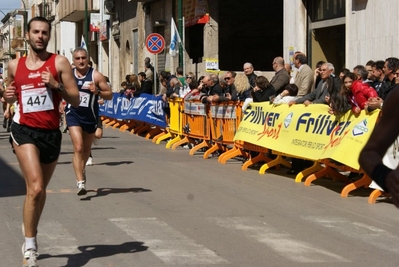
(145, 85)
(263, 90)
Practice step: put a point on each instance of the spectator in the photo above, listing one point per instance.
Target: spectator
(180, 75)
(243, 87)
(378, 73)
(190, 77)
(123, 88)
(370, 77)
(288, 94)
(129, 91)
(318, 96)
(262, 92)
(249, 72)
(263, 89)
(215, 91)
(176, 87)
(145, 85)
(343, 72)
(281, 78)
(304, 79)
(134, 82)
(317, 77)
(288, 68)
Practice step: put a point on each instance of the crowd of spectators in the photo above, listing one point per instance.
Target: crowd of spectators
(364, 88)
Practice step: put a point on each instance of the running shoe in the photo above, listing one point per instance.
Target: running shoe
(81, 188)
(89, 162)
(30, 257)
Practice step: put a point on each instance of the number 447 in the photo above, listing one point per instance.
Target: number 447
(37, 100)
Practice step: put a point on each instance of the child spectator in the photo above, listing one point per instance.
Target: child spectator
(288, 94)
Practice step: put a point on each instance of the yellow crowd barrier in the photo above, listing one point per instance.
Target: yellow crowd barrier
(220, 126)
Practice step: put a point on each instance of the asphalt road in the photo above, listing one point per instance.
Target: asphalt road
(151, 206)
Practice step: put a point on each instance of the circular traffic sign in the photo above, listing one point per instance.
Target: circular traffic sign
(155, 43)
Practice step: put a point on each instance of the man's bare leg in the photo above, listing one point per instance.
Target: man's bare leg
(37, 177)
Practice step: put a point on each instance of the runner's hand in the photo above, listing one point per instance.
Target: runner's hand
(9, 94)
(48, 79)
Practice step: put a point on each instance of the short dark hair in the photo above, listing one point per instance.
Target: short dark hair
(378, 65)
(302, 58)
(262, 82)
(320, 63)
(233, 73)
(393, 63)
(141, 74)
(41, 19)
(292, 89)
(179, 70)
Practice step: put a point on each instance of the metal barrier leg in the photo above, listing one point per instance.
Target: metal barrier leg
(232, 151)
(375, 194)
(138, 128)
(213, 148)
(175, 139)
(180, 142)
(231, 154)
(199, 146)
(164, 132)
(277, 161)
(364, 181)
(260, 157)
(144, 129)
(163, 137)
(316, 175)
(153, 132)
(314, 168)
(110, 123)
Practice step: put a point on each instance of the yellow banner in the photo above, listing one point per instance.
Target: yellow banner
(307, 132)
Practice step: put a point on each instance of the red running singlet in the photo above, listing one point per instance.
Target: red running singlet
(37, 105)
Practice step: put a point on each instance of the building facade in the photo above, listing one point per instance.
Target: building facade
(218, 35)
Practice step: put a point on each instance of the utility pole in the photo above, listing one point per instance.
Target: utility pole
(180, 29)
(86, 28)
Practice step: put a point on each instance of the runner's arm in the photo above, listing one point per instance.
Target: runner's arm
(102, 88)
(70, 91)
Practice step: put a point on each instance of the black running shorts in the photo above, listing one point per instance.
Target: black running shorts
(47, 141)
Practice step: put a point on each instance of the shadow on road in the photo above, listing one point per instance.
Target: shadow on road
(102, 148)
(116, 163)
(12, 183)
(97, 251)
(100, 192)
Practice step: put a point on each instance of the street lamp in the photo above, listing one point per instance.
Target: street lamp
(9, 32)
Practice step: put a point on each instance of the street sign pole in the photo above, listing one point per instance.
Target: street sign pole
(155, 44)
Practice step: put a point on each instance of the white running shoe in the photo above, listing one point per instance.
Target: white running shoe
(30, 257)
(89, 161)
(81, 188)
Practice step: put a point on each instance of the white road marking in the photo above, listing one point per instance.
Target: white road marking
(281, 242)
(54, 239)
(357, 230)
(169, 245)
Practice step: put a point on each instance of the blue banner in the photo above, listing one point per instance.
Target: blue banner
(146, 108)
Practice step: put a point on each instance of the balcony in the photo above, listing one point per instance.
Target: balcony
(74, 10)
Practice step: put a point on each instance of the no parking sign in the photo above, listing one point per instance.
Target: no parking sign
(155, 43)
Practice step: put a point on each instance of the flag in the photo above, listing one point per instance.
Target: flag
(174, 39)
(83, 43)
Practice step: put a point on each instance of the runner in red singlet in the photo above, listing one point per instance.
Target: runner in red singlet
(37, 83)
